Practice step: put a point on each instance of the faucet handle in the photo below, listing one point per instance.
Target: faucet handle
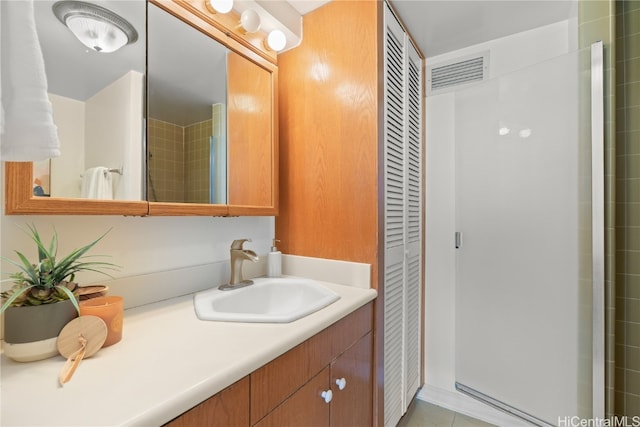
(237, 244)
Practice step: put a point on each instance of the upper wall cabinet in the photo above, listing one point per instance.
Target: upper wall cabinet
(98, 106)
(211, 146)
(211, 140)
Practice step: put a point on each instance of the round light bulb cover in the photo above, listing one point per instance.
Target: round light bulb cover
(98, 35)
(276, 40)
(221, 6)
(250, 21)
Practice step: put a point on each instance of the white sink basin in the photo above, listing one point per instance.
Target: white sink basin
(268, 300)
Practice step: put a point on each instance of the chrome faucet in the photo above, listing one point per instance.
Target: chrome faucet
(238, 255)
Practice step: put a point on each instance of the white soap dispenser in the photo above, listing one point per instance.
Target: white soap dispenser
(274, 261)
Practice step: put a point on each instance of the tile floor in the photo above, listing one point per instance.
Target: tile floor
(423, 414)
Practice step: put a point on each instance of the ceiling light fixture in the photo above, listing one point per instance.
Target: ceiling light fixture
(276, 40)
(250, 21)
(96, 27)
(219, 6)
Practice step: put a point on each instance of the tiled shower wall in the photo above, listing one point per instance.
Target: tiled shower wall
(197, 145)
(166, 162)
(627, 381)
(179, 162)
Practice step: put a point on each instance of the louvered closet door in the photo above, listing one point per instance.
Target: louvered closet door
(394, 212)
(402, 262)
(413, 251)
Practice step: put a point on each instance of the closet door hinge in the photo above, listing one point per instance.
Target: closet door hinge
(458, 239)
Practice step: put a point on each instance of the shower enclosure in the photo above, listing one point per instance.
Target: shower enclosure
(529, 259)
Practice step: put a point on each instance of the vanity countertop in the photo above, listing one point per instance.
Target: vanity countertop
(167, 362)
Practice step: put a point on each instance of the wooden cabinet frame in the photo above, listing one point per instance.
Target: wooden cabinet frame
(19, 199)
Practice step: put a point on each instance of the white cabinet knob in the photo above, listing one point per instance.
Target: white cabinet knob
(341, 383)
(327, 396)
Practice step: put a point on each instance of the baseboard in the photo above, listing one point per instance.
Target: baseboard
(466, 405)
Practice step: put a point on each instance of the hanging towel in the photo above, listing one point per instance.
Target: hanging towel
(97, 184)
(28, 132)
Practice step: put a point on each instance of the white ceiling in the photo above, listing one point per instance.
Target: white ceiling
(441, 26)
(77, 72)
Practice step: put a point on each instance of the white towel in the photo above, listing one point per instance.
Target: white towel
(97, 184)
(29, 133)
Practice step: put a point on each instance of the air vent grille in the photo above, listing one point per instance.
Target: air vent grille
(458, 72)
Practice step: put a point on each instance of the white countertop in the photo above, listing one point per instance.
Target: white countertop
(167, 362)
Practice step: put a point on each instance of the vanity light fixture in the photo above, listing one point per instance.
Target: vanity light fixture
(219, 6)
(250, 21)
(96, 27)
(276, 40)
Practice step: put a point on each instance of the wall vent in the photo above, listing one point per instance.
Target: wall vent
(452, 74)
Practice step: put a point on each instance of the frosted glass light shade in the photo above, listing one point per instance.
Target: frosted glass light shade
(250, 21)
(97, 35)
(276, 40)
(96, 27)
(220, 6)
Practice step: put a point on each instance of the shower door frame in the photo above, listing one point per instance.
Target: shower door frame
(597, 227)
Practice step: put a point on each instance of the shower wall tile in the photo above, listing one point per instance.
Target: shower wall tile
(197, 154)
(632, 69)
(620, 378)
(166, 170)
(628, 207)
(632, 141)
(631, 5)
(632, 312)
(632, 336)
(632, 358)
(632, 166)
(592, 11)
(633, 239)
(632, 405)
(633, 286)
(632, 46)
(632, 92)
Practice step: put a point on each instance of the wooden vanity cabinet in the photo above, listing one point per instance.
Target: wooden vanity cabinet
(288, 390)
(352, 406)
(228, 408)
(349, 407)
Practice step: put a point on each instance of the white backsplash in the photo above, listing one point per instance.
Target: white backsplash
(157, 286)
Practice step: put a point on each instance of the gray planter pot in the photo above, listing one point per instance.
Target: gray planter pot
(30, 333)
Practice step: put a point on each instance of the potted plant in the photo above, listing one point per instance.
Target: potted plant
(43, 298)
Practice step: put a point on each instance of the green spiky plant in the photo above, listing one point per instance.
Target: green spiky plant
(50, 280)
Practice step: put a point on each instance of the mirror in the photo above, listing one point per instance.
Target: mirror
(98, 107)
(249, 184)
(187, 113)
(210, 119)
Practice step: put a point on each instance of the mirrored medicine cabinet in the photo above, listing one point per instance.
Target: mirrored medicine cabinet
(184, 119)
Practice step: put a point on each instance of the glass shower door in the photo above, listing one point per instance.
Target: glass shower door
(523, 329)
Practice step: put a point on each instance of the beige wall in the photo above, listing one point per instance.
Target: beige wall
(113, 132)
(69, 116)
